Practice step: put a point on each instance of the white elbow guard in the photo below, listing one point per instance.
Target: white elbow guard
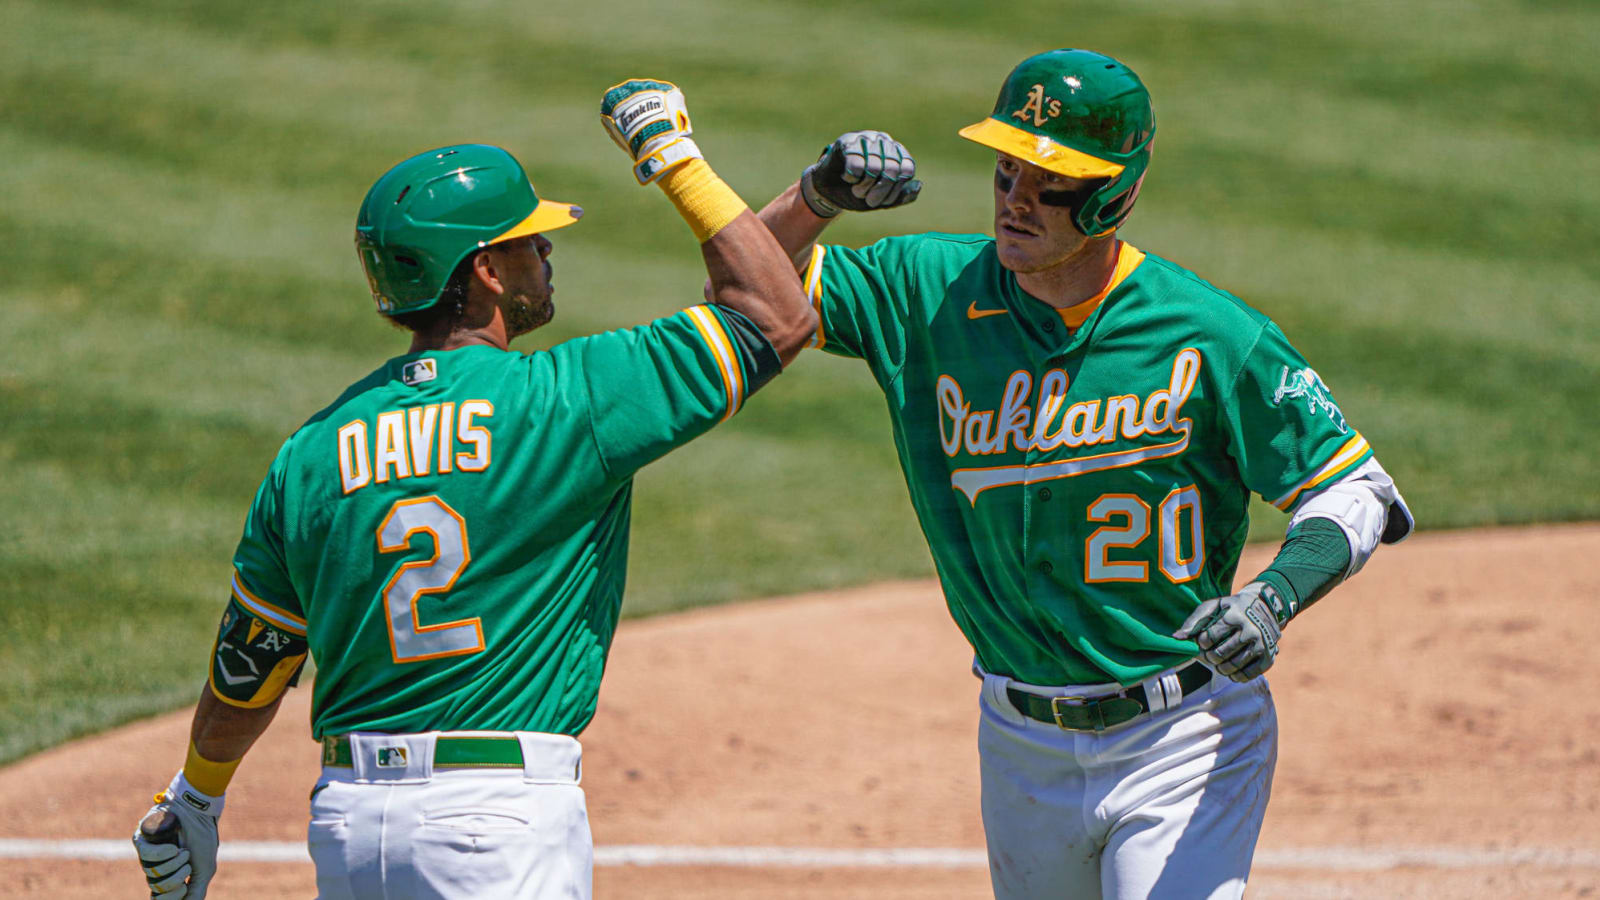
(1366, 506)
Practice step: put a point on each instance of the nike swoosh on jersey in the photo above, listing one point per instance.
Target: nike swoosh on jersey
(973, 312)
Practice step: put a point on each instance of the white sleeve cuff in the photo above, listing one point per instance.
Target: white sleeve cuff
(1366, 506)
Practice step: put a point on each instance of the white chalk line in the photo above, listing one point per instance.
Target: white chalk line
(1340, 859)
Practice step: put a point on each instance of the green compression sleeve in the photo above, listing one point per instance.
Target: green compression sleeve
(1313, 559)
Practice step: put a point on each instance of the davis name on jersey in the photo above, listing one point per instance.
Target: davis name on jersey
(401, 443)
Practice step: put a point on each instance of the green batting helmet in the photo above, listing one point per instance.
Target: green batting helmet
(1081, 114)
(425, 215)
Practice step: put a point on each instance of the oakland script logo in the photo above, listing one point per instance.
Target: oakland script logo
(1044, 425)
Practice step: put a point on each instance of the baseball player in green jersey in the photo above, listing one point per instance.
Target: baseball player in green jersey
(1081, 424)
(448, 539)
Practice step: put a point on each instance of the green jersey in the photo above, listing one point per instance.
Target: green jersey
(450, 536)
(1082, 485)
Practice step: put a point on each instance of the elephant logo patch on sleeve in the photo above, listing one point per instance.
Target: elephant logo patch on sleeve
(1305, 383)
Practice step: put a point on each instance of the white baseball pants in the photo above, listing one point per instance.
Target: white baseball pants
(1168, 805)
(404, 830)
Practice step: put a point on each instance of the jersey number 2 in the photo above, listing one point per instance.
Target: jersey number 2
(409, 639)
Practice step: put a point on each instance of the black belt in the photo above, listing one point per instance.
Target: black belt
(1075, 713)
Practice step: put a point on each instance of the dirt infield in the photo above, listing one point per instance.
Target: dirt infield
(1441, 705)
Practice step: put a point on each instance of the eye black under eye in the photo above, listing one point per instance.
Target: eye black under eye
(1003, 181)
(1059, 198)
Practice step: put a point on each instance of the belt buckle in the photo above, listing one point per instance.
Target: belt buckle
(1057, 702)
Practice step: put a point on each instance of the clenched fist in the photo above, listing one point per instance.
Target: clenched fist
(862, 170)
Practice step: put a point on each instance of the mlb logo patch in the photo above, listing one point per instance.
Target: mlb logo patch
(418, 371)
(391, 757)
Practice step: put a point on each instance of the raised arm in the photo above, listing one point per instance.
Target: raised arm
(860, 171)
(749, 271)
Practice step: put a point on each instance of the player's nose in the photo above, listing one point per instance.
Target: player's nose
(1021, 194)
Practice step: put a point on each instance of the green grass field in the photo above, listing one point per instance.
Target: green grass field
(1410, 188)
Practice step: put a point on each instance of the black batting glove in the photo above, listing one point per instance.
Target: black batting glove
(861, 171)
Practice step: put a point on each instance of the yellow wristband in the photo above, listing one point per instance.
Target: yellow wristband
(207, 776)
(704, 200)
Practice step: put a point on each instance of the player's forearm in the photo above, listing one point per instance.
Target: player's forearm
(220, 736)
(748, 270)
(1313, 559)
(794, 225)
(750, 273)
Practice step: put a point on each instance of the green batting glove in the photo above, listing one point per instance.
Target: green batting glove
(649, 120)
(862, 170)
(1238, 634)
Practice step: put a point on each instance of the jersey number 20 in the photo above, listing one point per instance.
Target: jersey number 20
(409, 639)
(1135, 527)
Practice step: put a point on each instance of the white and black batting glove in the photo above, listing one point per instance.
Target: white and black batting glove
(861, 171)
(1238, 634)
(649, 120)
(177, 842)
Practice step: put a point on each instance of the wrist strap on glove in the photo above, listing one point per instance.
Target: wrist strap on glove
(182, 791)
(819, 204)
(664, 159)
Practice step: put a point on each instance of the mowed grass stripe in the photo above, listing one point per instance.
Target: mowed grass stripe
(113, 592)
(72, 272)
(1371, 280)
(1299, 195)
(1412, 142)
(1505, 62)
(138, 361)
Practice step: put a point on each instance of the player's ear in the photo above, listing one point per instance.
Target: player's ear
(484, 272)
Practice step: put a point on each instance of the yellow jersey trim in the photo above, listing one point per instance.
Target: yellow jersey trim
(1348, 454)
(812, 280)
(710, 328)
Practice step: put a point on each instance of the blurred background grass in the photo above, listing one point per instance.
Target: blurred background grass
(1410, 188)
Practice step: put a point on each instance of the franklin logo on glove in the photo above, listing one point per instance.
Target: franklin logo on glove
(626, 117)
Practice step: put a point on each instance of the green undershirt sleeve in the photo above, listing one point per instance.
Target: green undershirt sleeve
(1314, 557)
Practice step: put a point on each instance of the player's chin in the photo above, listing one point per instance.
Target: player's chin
(529, 314)
(542, 313)
(1016, 258)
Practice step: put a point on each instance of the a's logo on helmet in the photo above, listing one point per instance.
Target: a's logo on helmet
(1039, 108)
